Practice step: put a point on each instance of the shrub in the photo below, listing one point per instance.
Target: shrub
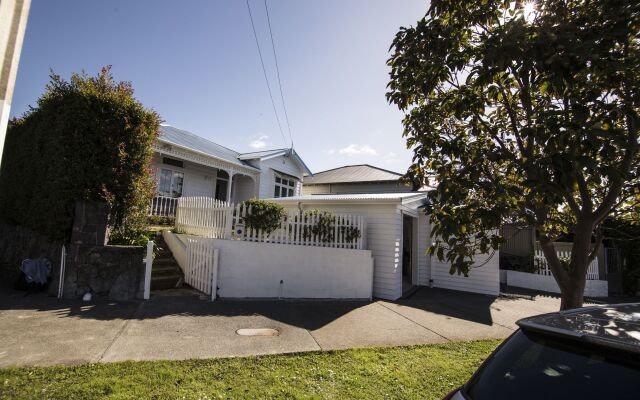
(265, 216)
(87, 139)
(527, 263)
(161, 220)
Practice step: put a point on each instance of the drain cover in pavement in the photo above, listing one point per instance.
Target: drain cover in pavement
(258, 332)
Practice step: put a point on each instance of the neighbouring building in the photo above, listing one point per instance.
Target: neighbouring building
(185, 164)
(361, 178)
(13, 23)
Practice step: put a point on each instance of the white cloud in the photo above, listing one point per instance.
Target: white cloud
(259, 143)
(391, 158)
(356, 149)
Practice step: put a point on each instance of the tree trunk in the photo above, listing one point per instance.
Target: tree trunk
(573, 281)
(572, 295)
(572, 292)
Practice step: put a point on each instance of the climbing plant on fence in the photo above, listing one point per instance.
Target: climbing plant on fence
(86, 139)
(324, 228)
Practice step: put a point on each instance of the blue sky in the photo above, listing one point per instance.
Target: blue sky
(196, 63)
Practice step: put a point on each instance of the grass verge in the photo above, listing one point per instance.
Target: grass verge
(420, 372)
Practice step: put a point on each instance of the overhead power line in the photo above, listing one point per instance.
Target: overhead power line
(275, 57)
(264, 71)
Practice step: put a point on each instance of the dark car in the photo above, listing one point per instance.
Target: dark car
(585, 353)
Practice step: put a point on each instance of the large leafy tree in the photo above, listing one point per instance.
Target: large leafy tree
(87, 138)
(524, 113)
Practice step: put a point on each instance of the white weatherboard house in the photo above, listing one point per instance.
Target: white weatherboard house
(398, 235)
(187, 165)
(386, 260)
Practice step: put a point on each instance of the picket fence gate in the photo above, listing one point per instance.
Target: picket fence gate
(201, 271)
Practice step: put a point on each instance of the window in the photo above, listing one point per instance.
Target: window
(172, 161)
(222, 181)
(170, 183)
(285, 187)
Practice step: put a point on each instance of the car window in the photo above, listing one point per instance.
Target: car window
(530, 366)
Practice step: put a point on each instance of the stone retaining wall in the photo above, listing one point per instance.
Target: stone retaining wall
(18, 243)
(116, 272)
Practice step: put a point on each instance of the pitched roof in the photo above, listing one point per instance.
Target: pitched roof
(275, 153)
(352, 173)
(191, 141)
(188, 140)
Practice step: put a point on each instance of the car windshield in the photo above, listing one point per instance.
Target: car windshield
(530, 366)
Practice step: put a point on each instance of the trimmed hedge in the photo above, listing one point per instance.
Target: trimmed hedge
(88, 138)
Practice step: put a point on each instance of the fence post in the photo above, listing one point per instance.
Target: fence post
(228, 211)
(147, 270)
(214, 274)
(63, 261)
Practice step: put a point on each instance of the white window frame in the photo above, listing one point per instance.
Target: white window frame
(174, 174)
(290, 187)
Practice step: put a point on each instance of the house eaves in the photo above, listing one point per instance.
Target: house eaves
(268, 154)
(399, 198)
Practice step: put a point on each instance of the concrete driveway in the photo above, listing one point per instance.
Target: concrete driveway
(39, 330)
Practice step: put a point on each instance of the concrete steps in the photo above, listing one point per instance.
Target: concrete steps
(166, 273)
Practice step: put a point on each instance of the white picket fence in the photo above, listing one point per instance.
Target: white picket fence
(163, 206)
(211, 218)
(592, 271)
(204, 216)
(201, 272)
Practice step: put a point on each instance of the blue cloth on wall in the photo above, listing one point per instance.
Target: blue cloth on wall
(36, 270)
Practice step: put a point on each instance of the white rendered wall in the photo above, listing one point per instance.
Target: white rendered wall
(545, 283)
(266, 270)
(383, 238)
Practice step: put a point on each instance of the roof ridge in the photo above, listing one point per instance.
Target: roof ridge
(359, 165)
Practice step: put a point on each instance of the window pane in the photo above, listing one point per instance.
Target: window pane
(165, 182)
(277, 193)
(292, 183)
(278, 180)
(529, 366)
(290, 192)
(176, 184)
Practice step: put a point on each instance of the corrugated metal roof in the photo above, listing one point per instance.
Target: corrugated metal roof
(262, 154)
(404, 197)
(352, 173)
(182, 138)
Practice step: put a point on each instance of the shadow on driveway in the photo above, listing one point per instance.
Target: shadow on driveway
(308, 314)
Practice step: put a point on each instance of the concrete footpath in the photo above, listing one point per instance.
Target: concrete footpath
(39, 330)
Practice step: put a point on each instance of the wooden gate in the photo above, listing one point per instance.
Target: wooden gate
(202, 266)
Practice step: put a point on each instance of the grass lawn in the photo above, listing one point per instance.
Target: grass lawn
(420, 372)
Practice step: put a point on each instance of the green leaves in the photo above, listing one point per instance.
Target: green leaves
(87, 139)
(532, 123)
(264, 216)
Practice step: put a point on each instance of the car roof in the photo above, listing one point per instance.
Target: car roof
(616, 325)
